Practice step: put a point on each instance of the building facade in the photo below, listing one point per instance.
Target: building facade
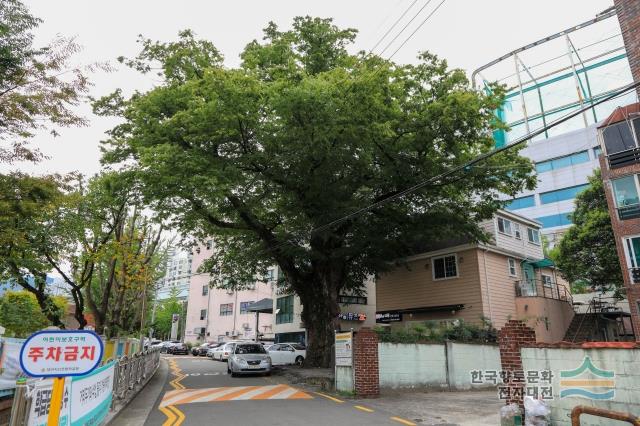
(507, 278)
(356, 311)
(219, 315)
(177, 274)
(620, 164)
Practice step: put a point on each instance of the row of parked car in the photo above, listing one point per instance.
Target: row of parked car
(280, 353)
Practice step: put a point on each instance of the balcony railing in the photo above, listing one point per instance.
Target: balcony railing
(635, 275)
(537, 288)
(629, 212)
(624, 158)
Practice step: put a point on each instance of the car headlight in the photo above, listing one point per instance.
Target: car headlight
(266, 361)
(241, 360)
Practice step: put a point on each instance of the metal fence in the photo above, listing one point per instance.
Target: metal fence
(131, 374)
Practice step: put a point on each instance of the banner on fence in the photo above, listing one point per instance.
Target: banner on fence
(9, 362)
(344, 349)
(91, 396)
(41, 402)
(86, 399)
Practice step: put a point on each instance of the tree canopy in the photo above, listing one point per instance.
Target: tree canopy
(587, 251)
(300, 134)
(21, 315)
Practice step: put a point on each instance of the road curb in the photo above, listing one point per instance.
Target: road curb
(142, 403)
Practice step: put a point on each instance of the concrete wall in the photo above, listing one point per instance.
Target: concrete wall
(433, 365)
(623, 362)
(462, 358)
(549, 318)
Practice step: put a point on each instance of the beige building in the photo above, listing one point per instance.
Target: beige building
(507, 278)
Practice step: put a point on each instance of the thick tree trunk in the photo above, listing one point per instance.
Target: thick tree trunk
(320, 316)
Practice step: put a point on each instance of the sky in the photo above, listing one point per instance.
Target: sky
(468, 33)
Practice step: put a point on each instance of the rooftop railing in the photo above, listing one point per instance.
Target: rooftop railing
(546, 289)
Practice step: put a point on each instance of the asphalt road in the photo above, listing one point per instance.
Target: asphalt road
(198, 391)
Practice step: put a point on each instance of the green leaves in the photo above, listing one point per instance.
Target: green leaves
(587, 251)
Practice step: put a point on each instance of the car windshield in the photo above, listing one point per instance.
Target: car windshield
(250, 349)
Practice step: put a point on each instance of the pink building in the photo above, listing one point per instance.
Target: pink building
(220, 315)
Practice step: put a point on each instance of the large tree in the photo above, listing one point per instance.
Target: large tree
(299, 135)
(21, 315)
(587, 251)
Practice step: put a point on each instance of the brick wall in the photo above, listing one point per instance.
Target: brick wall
(365, 363)
(623, 228)
(629, 17)
(514, 335)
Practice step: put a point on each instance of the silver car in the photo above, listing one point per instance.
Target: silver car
(249, 358)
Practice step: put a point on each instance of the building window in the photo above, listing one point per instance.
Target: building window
(205, 290)
(534, 235)
(504, 226)
(632, 249)
(625, 193)
(597, 151)
(203, 314)
(352, 300)
(521, 203)
(516, 231)
(226, 309)
(209, 244)
(562, 162)
(619, 137)
(244, 306)
(272, 275)
(546, 281)
(284, 306)
(561, 194)
(512, 267)
(445, 267)
(559, 219)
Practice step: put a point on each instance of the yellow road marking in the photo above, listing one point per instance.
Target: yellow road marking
(170, 416)
(329, 397)
(403, 421)
(361, 408)
(179, 413)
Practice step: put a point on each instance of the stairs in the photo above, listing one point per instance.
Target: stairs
(588, 331)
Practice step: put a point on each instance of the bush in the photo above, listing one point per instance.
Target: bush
(438, 332)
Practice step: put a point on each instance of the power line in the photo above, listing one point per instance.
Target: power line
(405, 27)
(393, 26)
(476, 160)
(416, 30)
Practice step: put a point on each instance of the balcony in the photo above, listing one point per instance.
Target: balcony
(548, 290)
(635, 275)
(624, 158)
(629, 212)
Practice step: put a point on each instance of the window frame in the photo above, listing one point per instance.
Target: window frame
(613, 188)
(205, 290)
(516, 231)
(537, 231)
(631, 263)
(226, 312)
(505, 221)
(244, 311)
(515, 267)
(444, 256)
(544, 282)
(285, 317)
(203, 314)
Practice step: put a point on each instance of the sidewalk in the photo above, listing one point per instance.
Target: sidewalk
(464, 408)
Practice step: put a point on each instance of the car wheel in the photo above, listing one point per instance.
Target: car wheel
(299, 360)
(268, 373)
(228, 370)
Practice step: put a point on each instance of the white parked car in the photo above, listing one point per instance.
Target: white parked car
(222, 352)
(287, 353)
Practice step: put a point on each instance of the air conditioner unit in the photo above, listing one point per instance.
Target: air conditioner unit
(245, 325)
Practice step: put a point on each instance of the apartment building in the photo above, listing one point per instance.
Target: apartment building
(219, 314)
(177, 275)
(507, 278)
(620, 165)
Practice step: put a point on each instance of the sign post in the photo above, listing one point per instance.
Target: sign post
(60, 354)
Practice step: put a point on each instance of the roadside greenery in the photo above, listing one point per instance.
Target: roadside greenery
(586, 255)
(164, 313)
(436, 332)
(20, 314)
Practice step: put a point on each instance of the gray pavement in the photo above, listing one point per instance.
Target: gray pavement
(198, 391)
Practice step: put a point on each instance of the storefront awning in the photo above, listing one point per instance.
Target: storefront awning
(543, 263)
(264, 306)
